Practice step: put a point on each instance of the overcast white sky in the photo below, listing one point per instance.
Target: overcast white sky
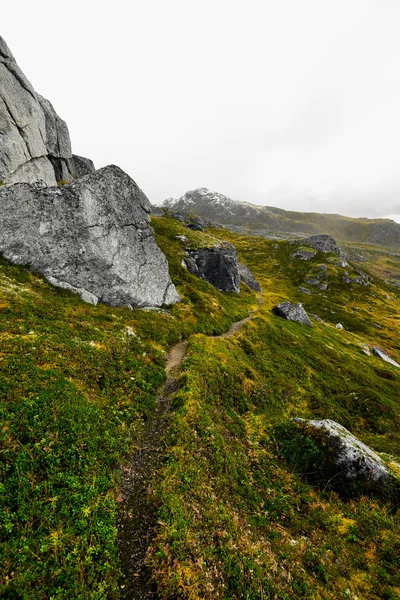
(291, 103)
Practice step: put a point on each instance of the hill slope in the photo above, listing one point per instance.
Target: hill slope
(266, 220)
(239, 516)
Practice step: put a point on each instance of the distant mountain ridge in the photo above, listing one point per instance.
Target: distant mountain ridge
(270, 220)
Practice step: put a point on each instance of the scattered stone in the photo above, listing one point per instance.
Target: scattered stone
(130, 331)
(248, 278)
(303, 290)
(182, 238)
(187, 218)
(381, 354)
(323, 286)
(293, 312)
(84, 294)
(339, 326)
(355, 460)
(191, 265)
(304, 254)
(360, 279)
(316, 317)
(338, 261)
(377, 326)
(194, 226)
(93, 235)
(365, 349)
(311, 281)
(219, 266)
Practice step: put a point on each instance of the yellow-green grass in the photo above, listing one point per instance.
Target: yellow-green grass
(76, 383)
(239, 517)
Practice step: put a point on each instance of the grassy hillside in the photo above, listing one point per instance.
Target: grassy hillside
(240, 516)
(242, 513)
(76, 383)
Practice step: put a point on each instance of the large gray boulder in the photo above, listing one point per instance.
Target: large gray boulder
(92, 234)
(352, 458)
(293, 312)
(34, 141)
(218, 265)
(324, 243)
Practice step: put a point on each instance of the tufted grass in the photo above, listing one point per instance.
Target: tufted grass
(76, 384)
(239, 516)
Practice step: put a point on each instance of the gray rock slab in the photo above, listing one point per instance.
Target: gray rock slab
(293, 312)
(92, 234)
(382, 355)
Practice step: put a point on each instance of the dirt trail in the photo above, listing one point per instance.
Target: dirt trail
(137, 518)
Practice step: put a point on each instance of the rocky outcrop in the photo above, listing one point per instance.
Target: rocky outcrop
(303, 290)
(34, 141)
(355, 461)
(304, 254)
(293, 312)
(324, 243)
(192, 221)
(360, 278)
(93, 235)
(383, 356)
(218, 265)
(248, 278)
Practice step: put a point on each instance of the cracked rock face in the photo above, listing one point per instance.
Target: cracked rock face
(92, 236)
(34, 141)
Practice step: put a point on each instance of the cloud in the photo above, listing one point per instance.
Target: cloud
(292, 103)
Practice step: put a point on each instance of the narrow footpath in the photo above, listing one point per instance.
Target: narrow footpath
(137, 518)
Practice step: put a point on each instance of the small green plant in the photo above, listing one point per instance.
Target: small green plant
(62, 182)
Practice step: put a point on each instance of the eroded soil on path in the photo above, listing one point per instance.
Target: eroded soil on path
(137, 517)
